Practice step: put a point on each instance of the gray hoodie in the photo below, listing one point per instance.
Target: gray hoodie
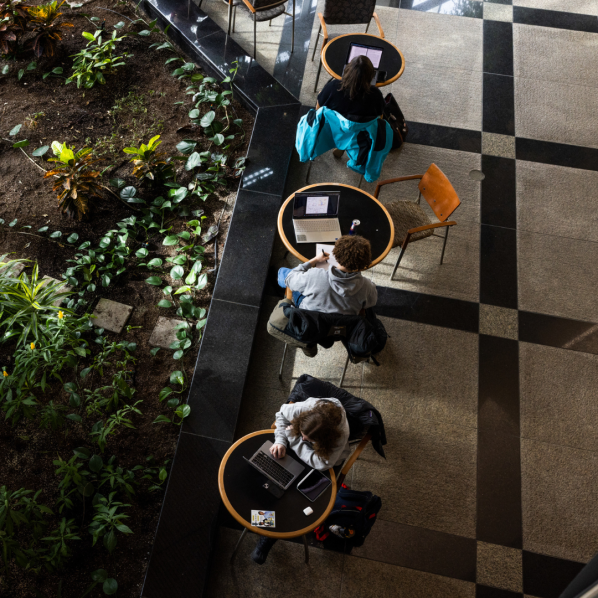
(304, 450)
(332, 291)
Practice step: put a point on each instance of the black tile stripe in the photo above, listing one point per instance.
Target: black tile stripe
(499, 201)
(498, 113)
(499, 518)
(464, 140)
(555, 18)
(559, 154)
(547, 576)
(421, 549)
(428, 309)
(498, 399)
(498, 48)
(562, 333)
(498, 266)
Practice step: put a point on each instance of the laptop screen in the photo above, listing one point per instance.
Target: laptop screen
(374, 53)
(315, 205)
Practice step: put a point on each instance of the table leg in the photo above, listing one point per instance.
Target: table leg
(232, 556)
(306, 549)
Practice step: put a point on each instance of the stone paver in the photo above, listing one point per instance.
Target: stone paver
(63, 288)
(164, 333)
(111, 315)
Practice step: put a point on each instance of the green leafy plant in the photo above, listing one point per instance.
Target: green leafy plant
(96, 60)
(149, 163)
(75, 180)
(102, 431)
(117, 477)
(57, 544)
(46, 28)
(157, 474)
(27, 302)
(108, 520)
(109, 584)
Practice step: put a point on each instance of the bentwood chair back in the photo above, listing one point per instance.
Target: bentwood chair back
(262, 10)
(344, 12)
(410, 221)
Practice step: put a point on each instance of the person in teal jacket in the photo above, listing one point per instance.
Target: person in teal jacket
(367, 141)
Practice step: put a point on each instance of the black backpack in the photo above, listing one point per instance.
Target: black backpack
(353, 510)
(368, 337)
(393, 115)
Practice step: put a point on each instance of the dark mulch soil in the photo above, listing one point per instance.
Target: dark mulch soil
(136, 103)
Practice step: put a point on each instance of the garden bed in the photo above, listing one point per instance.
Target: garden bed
(140, 100)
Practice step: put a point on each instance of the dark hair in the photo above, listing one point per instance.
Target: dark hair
(353, 252)
(357, 77)
(321, 425)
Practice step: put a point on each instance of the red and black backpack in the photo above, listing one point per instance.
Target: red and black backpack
(352, 510)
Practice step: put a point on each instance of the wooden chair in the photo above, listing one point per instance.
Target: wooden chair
(344, 12)
(410, 221)
(261, 10)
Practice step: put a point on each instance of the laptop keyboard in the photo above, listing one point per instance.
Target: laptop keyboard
(276, 471)
(315, 226)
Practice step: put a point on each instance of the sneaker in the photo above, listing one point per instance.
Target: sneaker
(310, 351)
(262, 548)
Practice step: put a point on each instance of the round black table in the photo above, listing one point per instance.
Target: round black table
(334, 55)
(241, 489)
(376, 224)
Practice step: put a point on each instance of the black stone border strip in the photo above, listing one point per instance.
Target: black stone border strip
(557, 154)
(180, 559)
(555, 19)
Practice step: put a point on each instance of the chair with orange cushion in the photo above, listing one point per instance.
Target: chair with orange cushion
(410, 221)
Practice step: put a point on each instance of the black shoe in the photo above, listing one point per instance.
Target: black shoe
(261, 550)
(310, 351)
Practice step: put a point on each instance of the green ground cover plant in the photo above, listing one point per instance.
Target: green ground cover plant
(64, 376)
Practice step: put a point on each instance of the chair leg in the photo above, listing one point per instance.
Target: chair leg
(270, 23)
(234, 17)
(318, 76)
(230, 15)
(368, 25)
(360, 181)
(293, 37)
(399, 260)
(305, 545)
(308, 171)
(232, 556)
(284, 356)
(317, 40)
(444, 244)
(254, 38)
(340, 384)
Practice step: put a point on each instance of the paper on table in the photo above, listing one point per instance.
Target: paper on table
(331, 260)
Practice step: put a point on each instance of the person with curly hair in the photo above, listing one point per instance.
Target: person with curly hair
(341, 289)
(317, 431)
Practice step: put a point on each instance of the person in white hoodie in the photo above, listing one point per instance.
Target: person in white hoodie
(317, 431)
(341, 289)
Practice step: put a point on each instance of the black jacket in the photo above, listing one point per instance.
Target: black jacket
(361, 335)
(362, 416)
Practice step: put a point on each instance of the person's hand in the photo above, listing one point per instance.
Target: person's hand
(278, 451)
(321, 258)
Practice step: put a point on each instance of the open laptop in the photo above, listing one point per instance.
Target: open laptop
(374, 53)
(315, 217)
(283, 472)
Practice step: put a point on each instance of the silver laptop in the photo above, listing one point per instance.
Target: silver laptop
(283, 472)
(315, 217)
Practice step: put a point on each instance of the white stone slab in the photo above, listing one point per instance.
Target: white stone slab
(164, 333)
(63, 289)
(111, 315)
(15, 270)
